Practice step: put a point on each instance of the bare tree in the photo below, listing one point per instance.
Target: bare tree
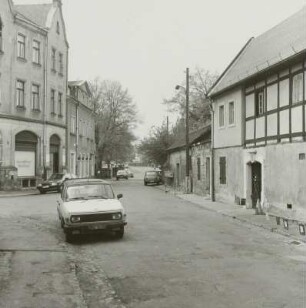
(200, 83)
(115, 114)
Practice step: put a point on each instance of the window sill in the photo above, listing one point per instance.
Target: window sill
(24, 60)
(36, 110)
(21, 108)
(36, 64)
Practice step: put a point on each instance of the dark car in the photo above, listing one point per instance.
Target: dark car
(153, 177)
(55, 182)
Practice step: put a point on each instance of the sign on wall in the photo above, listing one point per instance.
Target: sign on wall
(25, 162)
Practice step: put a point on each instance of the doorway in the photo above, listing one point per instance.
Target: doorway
(256, 183)
(54, 153)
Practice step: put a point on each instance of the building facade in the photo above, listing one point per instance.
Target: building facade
(80, 130)
(200, 162)
(33, 83)
(259, 131)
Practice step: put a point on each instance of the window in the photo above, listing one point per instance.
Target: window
(221, 116)
(73, 124)
(36, 52)
(260, 102)
(1, 35)
(21, 46)
(231, 113)
(35, 97)
(52, 101)
(20, 93)
(199, 168)
(297, 88)
(53, 59)
(61, 63)
(60, 104)
(57, 28)
(222, 163)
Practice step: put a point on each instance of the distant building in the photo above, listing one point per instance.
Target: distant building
(200, 161)
(33, 86)
(260, 120)
(81, 129)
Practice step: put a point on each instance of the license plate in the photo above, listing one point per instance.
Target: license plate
(97, 227)
(47, 186)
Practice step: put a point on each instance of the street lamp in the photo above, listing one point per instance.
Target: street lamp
(186, 129)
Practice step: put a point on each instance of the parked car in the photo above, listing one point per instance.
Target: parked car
(153, 177)
(54, 182)
(122, 174)
(130, 173)
(88, 206)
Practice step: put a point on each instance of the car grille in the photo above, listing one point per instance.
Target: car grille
(96, 217)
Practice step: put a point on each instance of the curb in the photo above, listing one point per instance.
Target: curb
(15, 194)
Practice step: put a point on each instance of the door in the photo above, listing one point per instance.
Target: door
(256, 183)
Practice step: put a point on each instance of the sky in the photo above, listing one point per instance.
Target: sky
(146, 45)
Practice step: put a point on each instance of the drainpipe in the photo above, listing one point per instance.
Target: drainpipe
(212, 152)
(45, 108)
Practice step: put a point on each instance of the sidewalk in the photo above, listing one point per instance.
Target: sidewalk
(241, 213)
(18, 193)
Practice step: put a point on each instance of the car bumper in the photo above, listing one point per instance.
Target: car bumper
(97, 227)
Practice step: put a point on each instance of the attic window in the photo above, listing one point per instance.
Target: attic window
(57, 28)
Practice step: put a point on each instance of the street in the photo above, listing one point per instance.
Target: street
(174, 254)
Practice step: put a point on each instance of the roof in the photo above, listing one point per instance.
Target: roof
(194, 137)
(83, 84)
(276, 45)
(37, 13)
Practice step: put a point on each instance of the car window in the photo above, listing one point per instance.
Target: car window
(56, 176)
(151, 173)
(89, 191)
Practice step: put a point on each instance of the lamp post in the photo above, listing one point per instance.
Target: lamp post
(186, 129)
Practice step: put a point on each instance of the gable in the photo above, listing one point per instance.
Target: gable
(278, 44)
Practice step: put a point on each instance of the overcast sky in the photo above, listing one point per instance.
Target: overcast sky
(147, 44)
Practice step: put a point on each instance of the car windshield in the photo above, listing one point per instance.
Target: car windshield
(121, 172)
(56, 176)
(151, 173)
(89, 191)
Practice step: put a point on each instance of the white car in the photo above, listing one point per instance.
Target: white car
(88, 206)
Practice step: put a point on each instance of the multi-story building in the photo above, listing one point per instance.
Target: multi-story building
(80, 129)
(33, 83)
(260, 120)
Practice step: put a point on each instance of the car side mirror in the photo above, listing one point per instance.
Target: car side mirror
(119, 196)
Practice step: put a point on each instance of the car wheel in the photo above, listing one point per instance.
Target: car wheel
(69, 237)
(145, 183)
(119, 234)
(42, 192)
(117, 179)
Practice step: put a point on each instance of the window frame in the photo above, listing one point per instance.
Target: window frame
(231, 113)
(60, 103)
(222, 170)
(36, 56)
(53, 59)
(34, 94)
(221, 106)
(299, 92)
(52, 101)
(21, 46)
(20, 90)
(260, 105)
(61, 63)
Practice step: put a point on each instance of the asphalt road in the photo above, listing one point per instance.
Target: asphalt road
(174, 254)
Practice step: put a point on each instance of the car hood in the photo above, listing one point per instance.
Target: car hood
(92, 206)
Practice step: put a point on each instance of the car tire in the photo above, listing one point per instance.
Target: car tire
(69, 237)
(42, 192)
(119, 234)
(145, 183)
(117, 179)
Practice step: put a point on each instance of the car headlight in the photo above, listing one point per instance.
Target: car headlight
(75, 218)
(53, 184)
(116, 216)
